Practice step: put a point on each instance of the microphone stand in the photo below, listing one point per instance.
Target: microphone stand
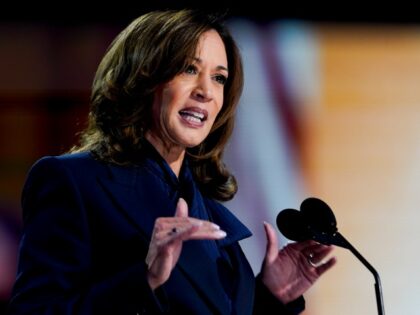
(339, 240)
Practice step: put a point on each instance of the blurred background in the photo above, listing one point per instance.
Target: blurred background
(331, 109)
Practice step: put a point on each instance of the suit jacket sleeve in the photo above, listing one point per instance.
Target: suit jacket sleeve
(266, 303)
(55, 255)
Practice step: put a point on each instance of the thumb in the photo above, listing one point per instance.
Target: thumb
(181, 208)
(272, 243)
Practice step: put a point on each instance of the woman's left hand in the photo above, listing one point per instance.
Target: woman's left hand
(289, 272)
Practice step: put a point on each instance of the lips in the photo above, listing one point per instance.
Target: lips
(194, 115)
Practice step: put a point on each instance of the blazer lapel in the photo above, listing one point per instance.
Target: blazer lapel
(244, 298)
(197, 266)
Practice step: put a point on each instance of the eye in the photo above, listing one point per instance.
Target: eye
(220, 78)
(191, 69)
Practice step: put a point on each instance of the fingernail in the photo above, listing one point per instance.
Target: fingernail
(221, 233)
(215, 226)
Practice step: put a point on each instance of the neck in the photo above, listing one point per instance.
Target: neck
(173, 154)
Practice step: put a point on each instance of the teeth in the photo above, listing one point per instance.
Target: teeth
(198, 115)
(193, 119)
(191, 114)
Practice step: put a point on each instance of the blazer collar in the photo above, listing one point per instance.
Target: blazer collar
(234, 228)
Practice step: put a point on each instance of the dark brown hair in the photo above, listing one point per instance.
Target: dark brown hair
(152, 50)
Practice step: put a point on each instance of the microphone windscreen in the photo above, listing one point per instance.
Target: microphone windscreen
(318, 215)
(292, 225)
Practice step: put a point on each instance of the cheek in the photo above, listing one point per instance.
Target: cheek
(161, 106)
(171, 96)
(219, 104)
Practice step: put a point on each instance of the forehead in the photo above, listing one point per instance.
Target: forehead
(211, 46)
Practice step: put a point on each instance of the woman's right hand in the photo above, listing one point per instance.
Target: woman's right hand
(168, 235)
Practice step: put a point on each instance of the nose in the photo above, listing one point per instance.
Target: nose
(203, 90)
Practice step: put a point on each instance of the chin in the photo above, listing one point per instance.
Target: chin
(190, 140)
(191, 143)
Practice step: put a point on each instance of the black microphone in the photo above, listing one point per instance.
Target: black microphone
(319, 215)
(316, 221)
(292, 225)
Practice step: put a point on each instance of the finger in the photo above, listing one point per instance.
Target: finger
(150, 258)
(303, 245)
(318, 252)
(172, 224)
(316, 247)
(166, 222)
(176, 234)
(208, 234)
(181, 208)
(152, 253)
(323, 252)
(191, 232)
(163, 240)
(272, 243)
(326, 266)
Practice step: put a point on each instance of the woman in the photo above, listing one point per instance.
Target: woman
(129, 222)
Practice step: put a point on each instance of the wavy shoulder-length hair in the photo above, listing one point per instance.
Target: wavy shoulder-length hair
(152, 50)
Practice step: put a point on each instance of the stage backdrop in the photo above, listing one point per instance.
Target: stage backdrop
(333, 111)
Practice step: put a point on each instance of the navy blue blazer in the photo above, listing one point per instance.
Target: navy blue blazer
(87, 226)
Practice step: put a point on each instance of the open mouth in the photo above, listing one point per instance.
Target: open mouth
(194, 115)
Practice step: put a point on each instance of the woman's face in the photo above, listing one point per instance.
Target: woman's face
(186, 107)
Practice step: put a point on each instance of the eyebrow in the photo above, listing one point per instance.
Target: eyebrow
(219, 67)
